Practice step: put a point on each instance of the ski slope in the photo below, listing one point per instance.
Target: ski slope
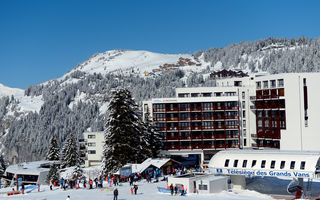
(146, 191)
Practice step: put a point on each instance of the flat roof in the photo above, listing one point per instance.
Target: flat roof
(281, 152)
(28, 167)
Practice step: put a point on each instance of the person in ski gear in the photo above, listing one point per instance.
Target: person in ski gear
(175, 190)
(182, 190)
(68, 198)
(135, 189)
(171, 189)
(115, 194)
(131, 190)
(90, 183)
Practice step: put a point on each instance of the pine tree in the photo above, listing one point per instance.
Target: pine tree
(53, 174)
(70, 155)
(3, 166)
(125, 136)
(153, 137)
(53, 152)
(77, 171)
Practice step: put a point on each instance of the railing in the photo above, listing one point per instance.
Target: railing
(185, 137)
(185, 147)
(185, 128)
(196, 118)
(196, 137)
(176, 137)
(185, 119)
(184, 109)
(196, 109)
(208, 136)
(172, 109)
(231, 108)
(233, 136)
(159, 110)
(172, 119)
(172, 129)
(196, 128)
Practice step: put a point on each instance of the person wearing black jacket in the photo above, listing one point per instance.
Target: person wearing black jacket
(115, 194)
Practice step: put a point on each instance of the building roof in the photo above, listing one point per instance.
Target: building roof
(157, 162)
(32, 168)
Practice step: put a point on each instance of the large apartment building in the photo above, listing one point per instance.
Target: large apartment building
(259, 111)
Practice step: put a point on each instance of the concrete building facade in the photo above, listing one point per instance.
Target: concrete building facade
(258, 111)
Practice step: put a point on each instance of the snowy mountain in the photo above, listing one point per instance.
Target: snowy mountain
(78, 100)
(6, 91)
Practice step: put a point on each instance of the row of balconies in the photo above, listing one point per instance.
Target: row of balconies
(199, 118)
(195, 109)
(272, 134)
(220, 127)
(200, 137)
(201, 146)
(266, 144)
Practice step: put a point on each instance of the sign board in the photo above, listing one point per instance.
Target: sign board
(274, 173)
(126, 171)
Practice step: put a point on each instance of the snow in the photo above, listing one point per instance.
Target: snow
(146, 191)
(6, 91)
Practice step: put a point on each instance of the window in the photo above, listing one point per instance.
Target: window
(226, 163)
(273, 83)
(263, 163)
(244, 114)
(244, 123)
(244, 164)
(91, 144)
(91, 151)
(282, 164)
(235, 163)
(243, 95)
(254, 162)
(194, 94)
(302, 164)
(273, 163)
(265, 84)
(292, 164)
(280, 83)
(91, 136)
(206, 94)
(258, 85)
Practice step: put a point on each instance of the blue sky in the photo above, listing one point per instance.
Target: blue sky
(42, 40)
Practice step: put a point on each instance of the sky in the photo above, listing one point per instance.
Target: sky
(43, 39)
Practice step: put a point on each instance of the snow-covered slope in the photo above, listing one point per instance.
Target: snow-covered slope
(6, 91)
(24, 103)
(138, 62)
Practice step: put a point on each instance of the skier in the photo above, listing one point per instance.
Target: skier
(131, 190)
(68, 198)
(175, 190)
(61, 182)
(115, 194)
(171, 189)
(182, 190)
(135, 189)
(90, 183)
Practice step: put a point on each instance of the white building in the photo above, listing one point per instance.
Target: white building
(260, 111)
(94, 142)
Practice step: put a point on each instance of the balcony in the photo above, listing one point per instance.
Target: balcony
(231, 127)
(219, 136)
(198, 109)
(254, 135)
(172, 110)
(208, 146)
(232, 146)
(196, 137)
(176, 137)
(185, 147)
(233, 136)
(199, 146)
(170, 119)
(184, 109)
(159, 110)
(208, 118)
(217, 146)
(231, 117)
(252, 98)
(208, 137)
(185, 137)
(231, 108)
(173, 147)
(184, 128)
(196, 128)
(172, 129)
(185, 119)
(196, 118)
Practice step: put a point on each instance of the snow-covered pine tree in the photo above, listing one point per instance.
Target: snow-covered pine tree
(153, 136)
(77, 171)
(3, 165)
(53, 152)
(125, 135)
(70, 155)
(53, 174)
